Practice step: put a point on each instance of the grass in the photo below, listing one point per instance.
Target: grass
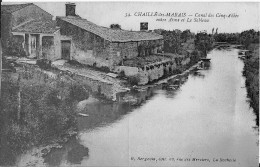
(251, 72)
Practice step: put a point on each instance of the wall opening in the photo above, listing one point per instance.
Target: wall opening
(65, 49)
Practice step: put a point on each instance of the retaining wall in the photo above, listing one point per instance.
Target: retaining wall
(34, 74)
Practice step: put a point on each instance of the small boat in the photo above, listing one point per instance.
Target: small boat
(242, 57)
(205, 59)
(241, 53)
(84, 115)
(173, 87)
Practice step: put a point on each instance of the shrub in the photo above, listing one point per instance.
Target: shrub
(77, 92)
(121, 74)
(104, 69)
(45, 117)
(133, 80)
(15, 47)
(44, 63)
(195, 53)
(74, 62)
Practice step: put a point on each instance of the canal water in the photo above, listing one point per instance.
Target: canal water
(206, 122)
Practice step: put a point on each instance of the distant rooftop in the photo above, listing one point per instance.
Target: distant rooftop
(14, 8)
(37, 26)
(113, 35)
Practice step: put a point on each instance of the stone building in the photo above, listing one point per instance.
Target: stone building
(88, 43)
(40, 39)
(74, 38)
(13, 16)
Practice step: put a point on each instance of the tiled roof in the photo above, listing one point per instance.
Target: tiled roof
(14, 8)
(114, 35)
(38, 26)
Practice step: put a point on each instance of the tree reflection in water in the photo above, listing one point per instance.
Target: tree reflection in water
(72, 151)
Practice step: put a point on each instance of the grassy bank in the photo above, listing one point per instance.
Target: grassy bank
(36, 114)
(251, 72)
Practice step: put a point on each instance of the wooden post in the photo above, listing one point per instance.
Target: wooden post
(19, 98)
(0, 65)
(40, 47)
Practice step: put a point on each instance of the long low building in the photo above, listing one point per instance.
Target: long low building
(74, 38)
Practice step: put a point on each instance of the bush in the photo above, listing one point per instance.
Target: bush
(47, 114)
(121, 74)
(77, 92)
(44, 63)
(133, 80)
(194, 53)
(105, 69)
(15, 47)
(74, 62)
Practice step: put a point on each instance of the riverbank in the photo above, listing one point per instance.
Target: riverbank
(251, 72)
(202, 106)
(36, 112)
(45, 103)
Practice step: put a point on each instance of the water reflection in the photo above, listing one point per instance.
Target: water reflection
(205, 116)
(198, 74)
(102, 114)
(73, 152)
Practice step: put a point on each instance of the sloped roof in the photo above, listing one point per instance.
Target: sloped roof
(38, 26)
(14, 8)
(113, 35)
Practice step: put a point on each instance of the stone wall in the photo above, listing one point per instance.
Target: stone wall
(122, 51)
(51, 46)
(86, 47)
(129, 71)
(97, 86)
(152, 72)
(6, 27)
(35, 74)
(146, 48)
(48, 47)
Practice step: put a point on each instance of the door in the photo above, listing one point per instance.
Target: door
(33, 46)
(65, 50)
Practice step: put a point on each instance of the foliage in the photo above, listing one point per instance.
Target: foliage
(248, 37)
(185, 35)
(15, 47)
(251, 72)
(194, 57)
(115, 26)
(172, 41)
(203, 42)
(245, 38)
(121, 74)
(104, 69)
(46, 114)
(133, 80)
(44, 63)
(227, 37)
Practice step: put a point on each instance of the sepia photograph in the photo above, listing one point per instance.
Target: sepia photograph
(122, 84)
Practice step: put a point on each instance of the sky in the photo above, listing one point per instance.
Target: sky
(245, 15)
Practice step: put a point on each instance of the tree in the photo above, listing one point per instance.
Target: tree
(185, 35)
(115, 26)
(248, 37)
(172, 41)
(203, 42)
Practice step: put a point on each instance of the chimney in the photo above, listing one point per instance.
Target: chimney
(70, 9)
(143, 26)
